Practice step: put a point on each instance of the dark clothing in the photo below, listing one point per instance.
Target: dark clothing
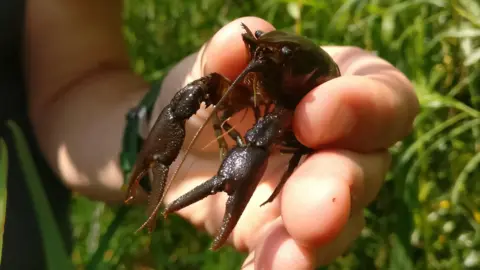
(22, 246)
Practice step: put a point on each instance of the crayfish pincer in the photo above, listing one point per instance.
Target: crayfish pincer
(282, 69)
(164, 142)
(240, 172)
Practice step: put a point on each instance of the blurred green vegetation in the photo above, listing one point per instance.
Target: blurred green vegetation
(426, 216)
(56, 256)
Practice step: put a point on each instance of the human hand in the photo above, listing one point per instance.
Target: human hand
(354, 119)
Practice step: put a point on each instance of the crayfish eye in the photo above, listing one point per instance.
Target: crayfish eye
(258, 33)
(286, 51)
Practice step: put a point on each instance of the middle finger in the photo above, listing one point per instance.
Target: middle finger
(321, 194)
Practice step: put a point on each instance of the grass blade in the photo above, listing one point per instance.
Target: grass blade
(464, 127)
(473, 58)
(436, 100)
(3, 190)
(55, 253)
(400, 259)
(459, 185)
(97, 257)
(412, 149)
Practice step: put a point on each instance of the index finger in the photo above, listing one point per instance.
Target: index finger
(370, 107)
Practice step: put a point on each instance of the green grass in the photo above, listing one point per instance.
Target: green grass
(56, 255)
(427, 214)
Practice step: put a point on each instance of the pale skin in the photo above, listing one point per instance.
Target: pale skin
(81, 87)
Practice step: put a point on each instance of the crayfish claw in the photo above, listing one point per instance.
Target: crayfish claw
(210, 187)
(136, 176)
(158, 183)
(236, 204)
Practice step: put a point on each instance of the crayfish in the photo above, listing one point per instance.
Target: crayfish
(282, 69)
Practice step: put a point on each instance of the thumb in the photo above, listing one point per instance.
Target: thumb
(225, 53)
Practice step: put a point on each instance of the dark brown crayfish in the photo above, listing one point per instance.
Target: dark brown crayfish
(282, 69)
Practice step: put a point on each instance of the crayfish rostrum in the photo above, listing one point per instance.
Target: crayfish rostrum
(282, 69)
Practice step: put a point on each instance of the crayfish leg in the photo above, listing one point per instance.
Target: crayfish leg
(222, 143)
(292, 164)
(234, 103)
(221, 127)
(234, 134)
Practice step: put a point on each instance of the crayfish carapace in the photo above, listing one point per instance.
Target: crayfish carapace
(282, 69)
